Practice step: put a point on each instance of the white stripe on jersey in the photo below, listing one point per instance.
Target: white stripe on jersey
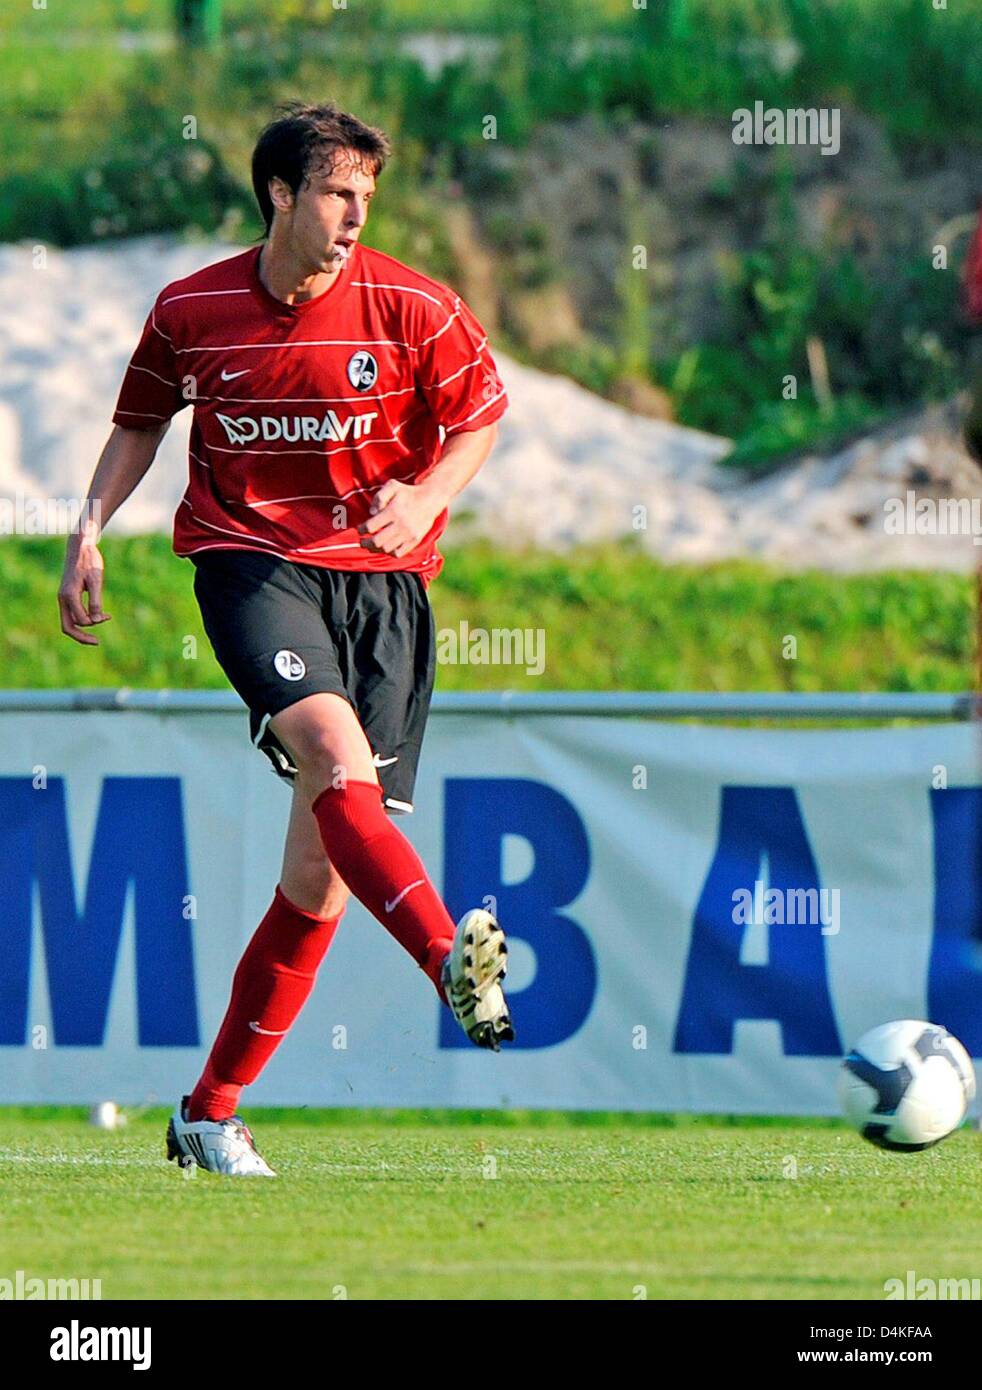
(316, 549)
(474, 413)
(220, 545)
(433, 336)
(134, 368)
(312, 342)
(435, 385)
(153, 325)
(405, 289)
(319, 496)
(200, 294)
(326, 400)
(241, 535)
(278, 553)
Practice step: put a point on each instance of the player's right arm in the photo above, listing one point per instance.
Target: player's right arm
(125, 459)
(151, 394)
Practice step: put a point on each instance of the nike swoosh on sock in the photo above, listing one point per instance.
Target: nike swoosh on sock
(389, 906)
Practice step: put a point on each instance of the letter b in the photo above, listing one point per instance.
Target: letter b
(478, 813)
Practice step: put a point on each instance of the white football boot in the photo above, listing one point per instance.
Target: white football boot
(471, 978)
(218, 1146)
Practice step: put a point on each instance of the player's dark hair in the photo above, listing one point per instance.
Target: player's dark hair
(302, 139)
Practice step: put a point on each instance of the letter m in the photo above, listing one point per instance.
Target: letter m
(138, 850)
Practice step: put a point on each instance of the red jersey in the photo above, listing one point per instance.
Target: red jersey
(302, 411)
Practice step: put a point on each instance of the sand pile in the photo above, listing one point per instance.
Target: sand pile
(568, 467)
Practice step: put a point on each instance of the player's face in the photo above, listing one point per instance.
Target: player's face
(329, 211)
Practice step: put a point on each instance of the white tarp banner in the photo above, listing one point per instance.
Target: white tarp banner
(700, 918)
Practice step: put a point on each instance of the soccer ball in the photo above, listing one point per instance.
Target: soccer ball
(906, 1085)
(106, 1115)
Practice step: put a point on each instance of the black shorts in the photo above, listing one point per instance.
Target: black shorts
(283, 631)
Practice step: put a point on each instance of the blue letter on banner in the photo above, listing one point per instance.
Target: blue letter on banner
(478, 814)
(139, 842)
(792, 987)
(954, 991)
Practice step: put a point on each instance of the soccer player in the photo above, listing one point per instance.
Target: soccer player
(340, 400)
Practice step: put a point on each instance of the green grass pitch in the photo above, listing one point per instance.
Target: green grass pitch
(443, 1206)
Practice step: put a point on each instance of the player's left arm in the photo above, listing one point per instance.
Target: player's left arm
(402, 513)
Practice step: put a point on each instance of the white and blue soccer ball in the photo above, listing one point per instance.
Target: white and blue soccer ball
(906, 1085)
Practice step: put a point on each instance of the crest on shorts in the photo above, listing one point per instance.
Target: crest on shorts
(289, 666)
(362, 371)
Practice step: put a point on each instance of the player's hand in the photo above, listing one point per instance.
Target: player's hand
(82, 576)
(401, 515)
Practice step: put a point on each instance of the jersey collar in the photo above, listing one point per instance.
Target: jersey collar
(330, 296)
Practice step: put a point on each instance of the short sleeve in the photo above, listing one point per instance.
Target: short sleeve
(151, 390)
(456, 372)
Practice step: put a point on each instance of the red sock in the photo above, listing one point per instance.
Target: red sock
(385, 873)
(271, 985)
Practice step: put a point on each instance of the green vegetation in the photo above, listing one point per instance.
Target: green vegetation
(95, 144)
(889, 342)
(613, 619)
(398, 1208)
(862, 52)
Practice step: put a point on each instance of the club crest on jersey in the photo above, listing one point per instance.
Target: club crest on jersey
(362, 371)
(289, 666)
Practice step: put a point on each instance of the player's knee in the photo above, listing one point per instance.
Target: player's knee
(320, 762)
(322, 759)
